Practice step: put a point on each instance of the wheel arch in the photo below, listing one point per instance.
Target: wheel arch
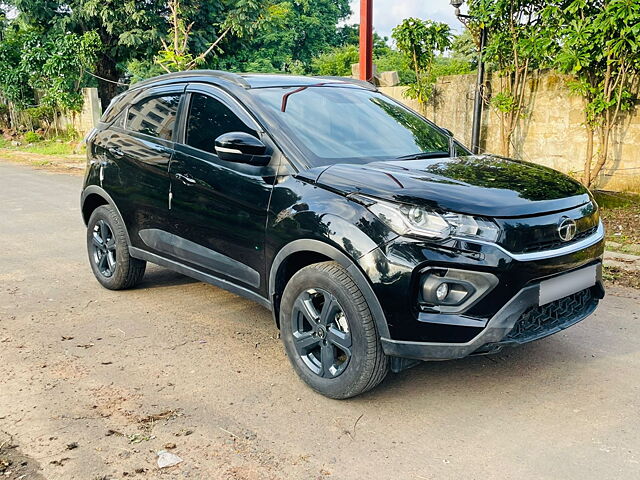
(93, 197)
(303, 252)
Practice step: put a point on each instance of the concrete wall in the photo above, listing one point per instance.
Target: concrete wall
(551, 133)
(88, 117)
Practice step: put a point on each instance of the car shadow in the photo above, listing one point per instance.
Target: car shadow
(556, 359)
(158, 277)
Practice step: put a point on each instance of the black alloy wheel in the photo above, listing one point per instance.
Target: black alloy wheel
(329, 333)
(108, 250)
(104, 248)
(321, 333)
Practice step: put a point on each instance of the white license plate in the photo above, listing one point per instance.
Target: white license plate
(567, 284)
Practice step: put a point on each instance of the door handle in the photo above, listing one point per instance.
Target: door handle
(161, 150)
(116, 152)
(185, 178)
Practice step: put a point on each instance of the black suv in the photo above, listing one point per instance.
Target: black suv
(375, 238)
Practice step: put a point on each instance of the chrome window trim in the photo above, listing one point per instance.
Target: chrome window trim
(542, 255)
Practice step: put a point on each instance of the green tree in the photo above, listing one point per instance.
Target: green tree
(56, 64)
(44, 68)
(131, 31)
(176, 55)
(465, 49)
(293, 33)
(350, 35)
(599, 45)
(127, 29)
(519, 43)
(419, 40)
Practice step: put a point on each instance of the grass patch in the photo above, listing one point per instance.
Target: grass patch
(41, 163)
(614, 200)
(49, 147)
(60, 146)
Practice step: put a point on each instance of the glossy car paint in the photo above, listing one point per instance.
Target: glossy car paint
(246, 227)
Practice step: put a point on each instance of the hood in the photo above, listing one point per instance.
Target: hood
(476, 185)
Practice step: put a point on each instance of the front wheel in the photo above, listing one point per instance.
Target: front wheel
(108, 251)
(329, 333)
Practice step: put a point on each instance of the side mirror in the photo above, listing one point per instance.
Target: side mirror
(240, 147)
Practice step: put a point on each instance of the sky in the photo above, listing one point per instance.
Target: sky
(389, 13)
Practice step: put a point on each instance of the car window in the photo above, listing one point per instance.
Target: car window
(119, 119)
(208, 119)
(155, 116)
(337, 125)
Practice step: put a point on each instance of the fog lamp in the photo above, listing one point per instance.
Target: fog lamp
(449, 290)
(442, 291)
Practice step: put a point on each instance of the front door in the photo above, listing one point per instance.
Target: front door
(218, 208)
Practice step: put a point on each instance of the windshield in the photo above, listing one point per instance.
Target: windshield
(350, 125)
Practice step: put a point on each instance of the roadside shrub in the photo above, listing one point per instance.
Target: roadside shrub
(41, 116)
(32, 137)
(336, 62)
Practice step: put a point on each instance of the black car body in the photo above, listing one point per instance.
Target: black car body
(518, 245)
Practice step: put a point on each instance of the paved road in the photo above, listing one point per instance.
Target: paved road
(179, 362)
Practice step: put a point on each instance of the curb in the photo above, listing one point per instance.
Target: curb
(623, 261)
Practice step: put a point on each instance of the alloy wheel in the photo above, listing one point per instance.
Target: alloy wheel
(104, 248)
(321, 333)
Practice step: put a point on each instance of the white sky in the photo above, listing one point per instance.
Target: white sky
(389, 13)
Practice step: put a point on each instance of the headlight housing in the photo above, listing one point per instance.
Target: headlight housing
(416, 221)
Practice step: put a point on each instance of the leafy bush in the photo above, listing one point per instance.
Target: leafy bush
(393, 60)
(32, 137)
(260, 65)
(449, 66)
(336, 62)
(39, 117)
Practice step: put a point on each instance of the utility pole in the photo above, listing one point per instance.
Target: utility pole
(479, 94)
(366, 40)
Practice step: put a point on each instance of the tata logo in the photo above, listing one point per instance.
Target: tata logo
(567, 229)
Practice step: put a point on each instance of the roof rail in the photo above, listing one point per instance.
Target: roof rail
(228, 76)
(354, 81)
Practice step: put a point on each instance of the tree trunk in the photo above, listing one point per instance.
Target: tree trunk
(505, 136)
(106, 68)
(586, 174)
(604, 152)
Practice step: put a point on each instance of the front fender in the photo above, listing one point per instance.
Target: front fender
(341, 257)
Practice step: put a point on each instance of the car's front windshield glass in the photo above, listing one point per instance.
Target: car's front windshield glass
(345, 124)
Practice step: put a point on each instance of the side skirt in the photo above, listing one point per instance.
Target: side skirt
(198, 275)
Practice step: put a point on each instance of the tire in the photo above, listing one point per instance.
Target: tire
(329, 333)
(108, 250)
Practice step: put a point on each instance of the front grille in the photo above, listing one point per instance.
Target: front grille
(537, 322)
(553, 244)
(540, 233)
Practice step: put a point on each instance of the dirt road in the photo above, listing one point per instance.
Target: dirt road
(94, 383)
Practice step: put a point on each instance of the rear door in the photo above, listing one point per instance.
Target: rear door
(218, 208)
(138, 151)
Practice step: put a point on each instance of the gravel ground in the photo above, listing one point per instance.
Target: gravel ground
(93, 383)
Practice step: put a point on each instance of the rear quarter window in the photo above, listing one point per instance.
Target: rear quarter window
(118, 104)
(154, 116)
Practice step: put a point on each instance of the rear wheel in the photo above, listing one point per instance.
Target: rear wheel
(108, 251)
(329, 333)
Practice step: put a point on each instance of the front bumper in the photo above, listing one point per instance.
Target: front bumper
(520, 320)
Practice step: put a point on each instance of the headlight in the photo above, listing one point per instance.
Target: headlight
(421, 222)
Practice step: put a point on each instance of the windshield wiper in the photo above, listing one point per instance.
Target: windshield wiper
(421, 155)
